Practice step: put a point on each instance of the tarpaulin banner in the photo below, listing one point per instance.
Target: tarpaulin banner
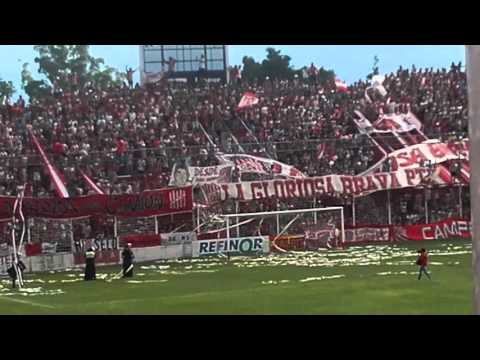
(451, 228)
(442, 230)
(220, 174)
(259, 165)
(416, 155)
(147, 203)
(244, 245)
(397, 122)
(331, 185)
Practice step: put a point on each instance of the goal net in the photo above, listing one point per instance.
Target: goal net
(302, 229)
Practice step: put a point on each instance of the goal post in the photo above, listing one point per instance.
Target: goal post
(299, 223)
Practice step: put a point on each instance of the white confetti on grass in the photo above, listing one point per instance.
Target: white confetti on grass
(322, 278)
(145, 281)
(275, 282)
(71, 280)
(36, 291)
(385, 273)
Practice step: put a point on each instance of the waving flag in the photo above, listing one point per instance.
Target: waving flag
(248, 100)
(398, 122)
(254, 164)
(341, 86)
(377, 84)
(60, 187)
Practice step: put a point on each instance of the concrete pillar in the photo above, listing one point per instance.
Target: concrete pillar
(473, 80)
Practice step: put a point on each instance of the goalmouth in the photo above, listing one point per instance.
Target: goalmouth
(314, 226)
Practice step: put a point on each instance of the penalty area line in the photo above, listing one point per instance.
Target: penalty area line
(26, 302)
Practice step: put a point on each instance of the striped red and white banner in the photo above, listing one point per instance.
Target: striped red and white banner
(60, 187)
(91, 184)
(178, 198)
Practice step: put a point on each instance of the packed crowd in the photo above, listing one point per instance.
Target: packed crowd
(128, 138)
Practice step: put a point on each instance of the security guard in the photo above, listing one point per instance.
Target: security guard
(128, 256)
(90, 271)
(13, 273)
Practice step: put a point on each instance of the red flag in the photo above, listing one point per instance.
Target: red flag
(248, 100)
(341, 86)
(91, 184)
(60, 187)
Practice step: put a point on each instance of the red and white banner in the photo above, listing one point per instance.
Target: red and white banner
(147, 203)
(368, 234)
(446, 229)
(397, 122)
(332, 185)
(254, 164)
(220, 174)
(91, 184)
(414, 156)
(341, 86)
(387, 123)
(451, 228)
(429, 153)
(60, 187)
(248, 100)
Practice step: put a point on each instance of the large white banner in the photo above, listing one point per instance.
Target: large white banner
(397, 122)
(387, 123)
(243, 245)
(436, 153)
(192, 175)
(259, 165)
(220, 174)
(333, 185)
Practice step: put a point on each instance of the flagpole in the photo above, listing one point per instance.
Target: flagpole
(473, 83)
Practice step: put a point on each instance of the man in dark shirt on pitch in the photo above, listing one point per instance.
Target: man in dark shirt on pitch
(16, 272)
(128, 256)
(90, 270)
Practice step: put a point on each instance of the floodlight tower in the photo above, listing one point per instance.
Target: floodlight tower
(473, 79)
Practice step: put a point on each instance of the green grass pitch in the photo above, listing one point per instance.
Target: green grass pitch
(378, 279)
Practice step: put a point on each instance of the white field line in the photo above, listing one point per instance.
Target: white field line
(27, 302)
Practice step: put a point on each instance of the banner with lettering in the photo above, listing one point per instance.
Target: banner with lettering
(259, 165)
(446, 229)
(435, 152)
(147, 203)
(331, 185)
(220, 174)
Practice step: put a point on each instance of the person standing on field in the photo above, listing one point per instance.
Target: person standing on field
(16, 272)
(90, 270)
(422, 261)
(128, 256)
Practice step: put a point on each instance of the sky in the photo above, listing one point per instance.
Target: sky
(350, 62)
